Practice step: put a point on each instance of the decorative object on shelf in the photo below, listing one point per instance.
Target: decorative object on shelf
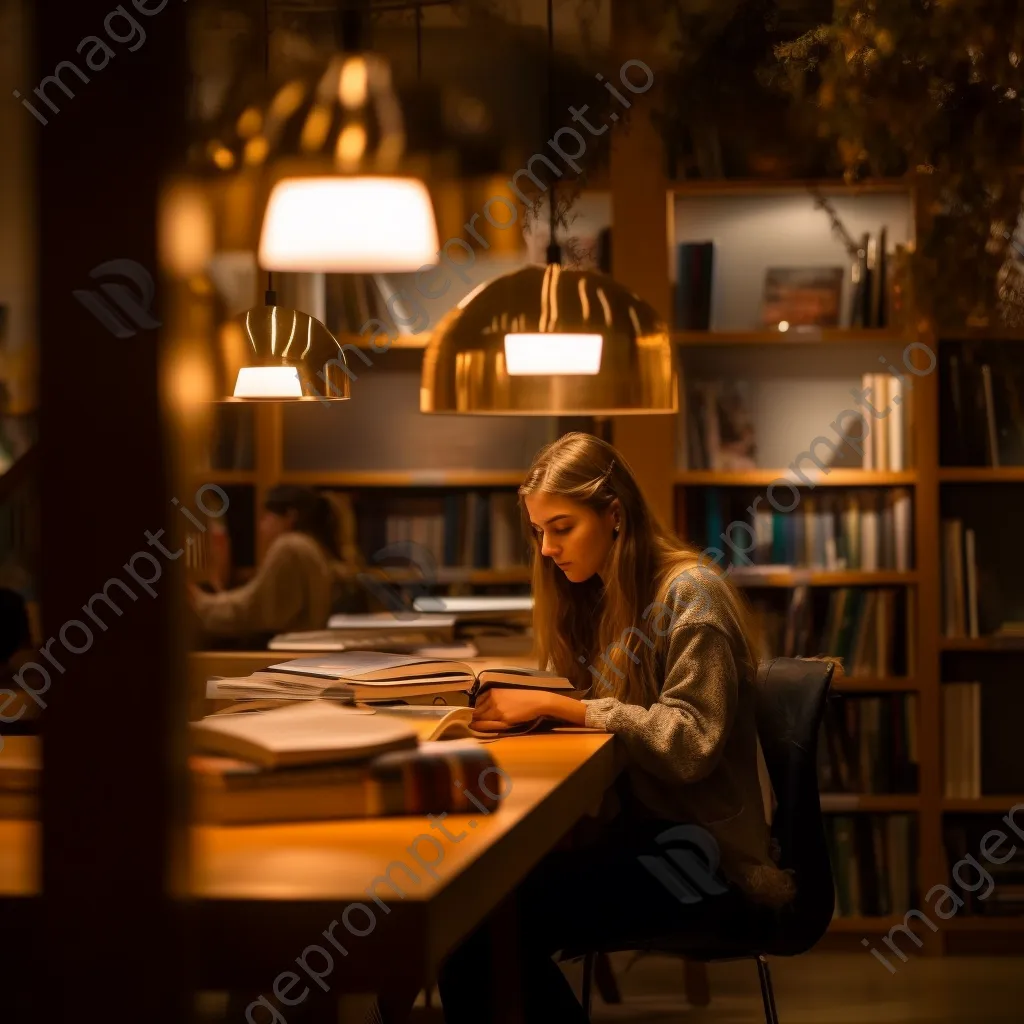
(796, 297)
(906, 88)
(548, 341)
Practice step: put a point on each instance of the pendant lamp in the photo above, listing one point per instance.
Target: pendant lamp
(545, 341)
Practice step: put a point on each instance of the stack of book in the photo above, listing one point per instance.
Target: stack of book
(966, 837)
(869, 745)
(873, 862)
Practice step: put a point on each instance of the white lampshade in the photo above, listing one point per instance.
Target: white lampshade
(568, 354)
(268, 382)
(347, 225)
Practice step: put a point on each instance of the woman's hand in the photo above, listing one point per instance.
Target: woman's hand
(498, 708)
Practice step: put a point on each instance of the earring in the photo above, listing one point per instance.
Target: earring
(615, 530)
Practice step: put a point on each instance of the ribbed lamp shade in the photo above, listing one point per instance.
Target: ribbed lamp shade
(544, 341)
(274, 354)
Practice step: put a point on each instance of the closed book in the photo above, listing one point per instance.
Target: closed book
(694, 270)
(307, 732)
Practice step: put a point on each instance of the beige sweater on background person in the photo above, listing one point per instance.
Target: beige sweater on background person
(694, 755)
(293, 590)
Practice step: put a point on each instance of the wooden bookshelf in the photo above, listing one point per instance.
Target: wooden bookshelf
(823, 578)
(981, 643)
(819, 478)
(406, 478)
(871, 803)
(981, 475)
(877, 337)
(769, 187)
(981, 804)
(875, 684)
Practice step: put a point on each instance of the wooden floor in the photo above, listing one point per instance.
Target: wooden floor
(826, 988)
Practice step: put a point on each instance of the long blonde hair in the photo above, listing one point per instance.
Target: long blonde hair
(574, 623)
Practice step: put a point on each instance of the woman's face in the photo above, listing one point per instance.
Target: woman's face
(576, 538)
(273, 524)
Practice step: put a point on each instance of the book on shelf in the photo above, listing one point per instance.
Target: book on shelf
(874, 860)
(959, 580)
(373, 676)
(724, 438)
(869, 744)
(865, 627)
(796, 297)
(867, 529)
(694, 276)
(964, 836)
(961, 738)
(472, 529)
(981, 414)
(888, 443)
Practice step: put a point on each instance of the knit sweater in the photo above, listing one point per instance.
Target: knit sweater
(292, 591)
(694, 756)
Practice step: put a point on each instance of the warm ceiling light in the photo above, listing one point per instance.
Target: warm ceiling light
(349, 225)
(268, 382)
(568, 354)
(543, 341)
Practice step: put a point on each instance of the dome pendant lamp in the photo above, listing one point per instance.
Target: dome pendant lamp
(544, 341)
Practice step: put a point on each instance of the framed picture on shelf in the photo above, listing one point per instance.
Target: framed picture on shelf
(801, 297)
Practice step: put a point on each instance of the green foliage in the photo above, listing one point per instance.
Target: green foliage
(934, 87)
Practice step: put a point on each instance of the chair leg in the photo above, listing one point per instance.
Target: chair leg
(764, 974)
(588, 983)
(695, 982)
(604, 978)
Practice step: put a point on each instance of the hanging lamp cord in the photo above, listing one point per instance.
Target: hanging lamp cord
(270, 296)
(554, 250)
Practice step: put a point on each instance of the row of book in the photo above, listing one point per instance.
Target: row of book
(981, 419)
(869, 745)
(874, 860)
(477, 529)
(1001, 893)
(865, 627)
(865, 529)
(959, 580)
(888, 444)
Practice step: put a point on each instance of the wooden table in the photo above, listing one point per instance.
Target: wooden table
(266, 894)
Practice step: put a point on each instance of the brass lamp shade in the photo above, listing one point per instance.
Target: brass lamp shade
(543, 341)
(274, 354)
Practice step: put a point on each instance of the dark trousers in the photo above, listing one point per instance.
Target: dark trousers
(602, 897)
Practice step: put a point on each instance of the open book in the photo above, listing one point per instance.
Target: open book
(378, 676)
(444, 723)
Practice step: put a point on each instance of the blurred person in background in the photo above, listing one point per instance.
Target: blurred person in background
(299, 582)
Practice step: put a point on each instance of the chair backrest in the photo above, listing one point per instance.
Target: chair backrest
(791, 696)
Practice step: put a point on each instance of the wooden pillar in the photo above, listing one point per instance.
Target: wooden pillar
(640, 251)
(110, 941)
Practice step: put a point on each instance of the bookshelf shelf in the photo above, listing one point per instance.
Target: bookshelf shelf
(817, 336)
(764, 477)
(984, 924)
(981, 643)
(226, 476)
(981, 474)
(768, 187)
(404, 341)
(817, 578)
(877, 803)
(455, 574)
(875, 684)
(407, 478)
(864, 924)
(981, 804)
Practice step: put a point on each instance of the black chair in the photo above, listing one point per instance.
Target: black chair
(790, 704)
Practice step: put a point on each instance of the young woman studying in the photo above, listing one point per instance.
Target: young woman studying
(662, 649)
(298, 582)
